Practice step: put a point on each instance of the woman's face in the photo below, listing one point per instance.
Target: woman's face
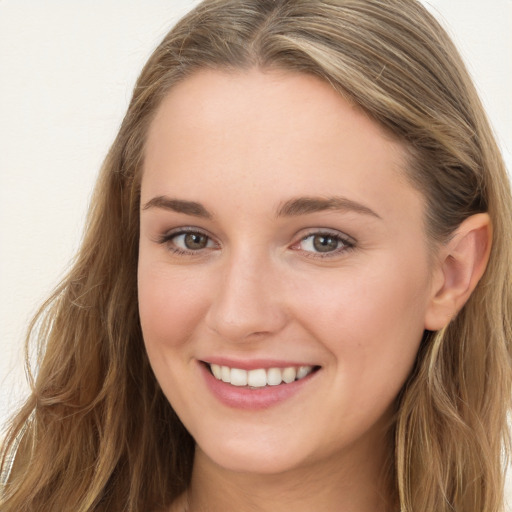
(283, 250)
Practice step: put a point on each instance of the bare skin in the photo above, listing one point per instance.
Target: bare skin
(278, 229)
(344, 487)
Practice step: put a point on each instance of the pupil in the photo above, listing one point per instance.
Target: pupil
(325, 243)
(195, 241)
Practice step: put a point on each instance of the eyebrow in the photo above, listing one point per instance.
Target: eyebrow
(292, 208)
(304, 205)
(179, 206)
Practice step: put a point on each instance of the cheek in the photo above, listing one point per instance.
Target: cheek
(372, 327)
(371, 318)
(170, 306)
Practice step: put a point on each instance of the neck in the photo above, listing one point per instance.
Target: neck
(332, 486)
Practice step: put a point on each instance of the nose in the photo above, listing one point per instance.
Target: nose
(249, 301)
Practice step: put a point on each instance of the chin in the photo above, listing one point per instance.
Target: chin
(257, 457)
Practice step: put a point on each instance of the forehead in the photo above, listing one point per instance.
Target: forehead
(275, 102)
(270, 132)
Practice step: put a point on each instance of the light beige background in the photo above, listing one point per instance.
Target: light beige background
(66, 73)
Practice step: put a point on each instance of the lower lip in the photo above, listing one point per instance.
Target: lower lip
(252, 399)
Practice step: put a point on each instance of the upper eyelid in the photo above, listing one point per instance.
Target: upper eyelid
(298, 237)
(348, 244)
(326, 231)
(166, 239)
(185, 229)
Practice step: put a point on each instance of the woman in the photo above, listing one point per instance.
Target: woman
(294, 290)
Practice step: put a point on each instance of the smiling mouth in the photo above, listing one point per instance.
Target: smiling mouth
(261, 377)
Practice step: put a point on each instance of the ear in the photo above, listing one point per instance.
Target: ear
(462, 262)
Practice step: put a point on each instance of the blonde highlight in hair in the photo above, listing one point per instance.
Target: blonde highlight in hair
(98, 434)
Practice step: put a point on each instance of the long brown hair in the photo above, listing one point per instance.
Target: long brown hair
(97, 434)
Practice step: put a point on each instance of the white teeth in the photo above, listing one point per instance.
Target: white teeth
(225, 374)
(238, 377)
(289, 375)
(216, 370)
(260, 377)
(274, 377)
(303, 371)
(256, 378)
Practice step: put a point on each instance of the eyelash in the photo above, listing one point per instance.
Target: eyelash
(344, 242)
(167, 239)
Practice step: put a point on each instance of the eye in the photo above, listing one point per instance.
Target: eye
(184, 242)
(192, 241)
(324, 243)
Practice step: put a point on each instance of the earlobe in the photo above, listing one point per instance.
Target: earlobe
(463, 262)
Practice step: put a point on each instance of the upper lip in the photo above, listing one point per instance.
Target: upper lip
(254, 364)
